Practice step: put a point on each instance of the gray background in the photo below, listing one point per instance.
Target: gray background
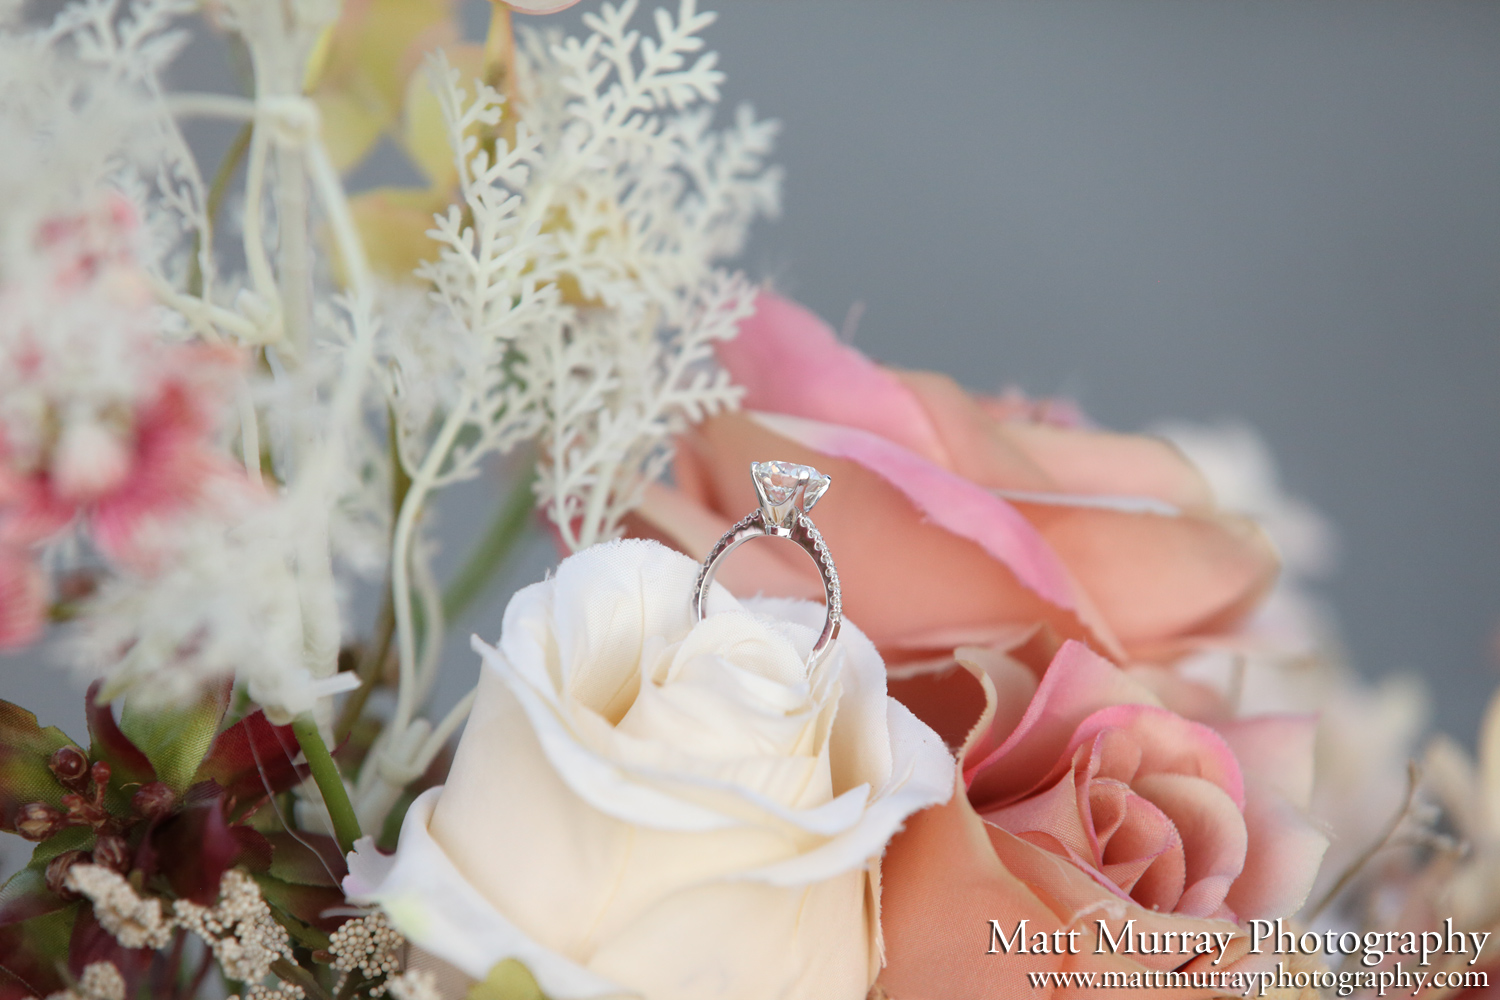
(1282, 213)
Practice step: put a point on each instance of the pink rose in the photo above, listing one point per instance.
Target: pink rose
(957, 519)
(1089, 799)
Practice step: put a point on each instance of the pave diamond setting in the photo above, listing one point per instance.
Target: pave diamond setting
(786, 490)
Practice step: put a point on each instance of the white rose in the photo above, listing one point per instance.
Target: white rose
(641, 806)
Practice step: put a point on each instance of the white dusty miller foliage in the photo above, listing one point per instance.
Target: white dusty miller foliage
(581, 262)
(576, 299)
(574, 303)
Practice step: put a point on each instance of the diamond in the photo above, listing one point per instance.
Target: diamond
(786, 488)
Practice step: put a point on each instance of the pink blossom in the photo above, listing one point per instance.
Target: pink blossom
(1091, 797)
(23, 598)
(103, 424)
(1175, 814)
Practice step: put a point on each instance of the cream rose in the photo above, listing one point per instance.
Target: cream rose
(641, 806)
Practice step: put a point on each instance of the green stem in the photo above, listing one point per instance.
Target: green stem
(508, 527)
(326, 773)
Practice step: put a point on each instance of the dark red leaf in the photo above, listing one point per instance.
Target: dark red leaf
(306, 859)
(255, 854)
(128, 766)
(252, 760)
(193, 849)
(92, 943)
(25, 749)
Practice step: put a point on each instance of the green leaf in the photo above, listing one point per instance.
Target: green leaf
(26, 896)
(32, 952)
(306, 859)
(25, 748)
(507, 980)
(66, 840)
(175, 740)
(304, 910)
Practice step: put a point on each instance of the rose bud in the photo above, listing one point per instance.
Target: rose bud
(71, 766)
(112, 852)
(154, 801)
(37, 820)
(57, 872)
(100, 773)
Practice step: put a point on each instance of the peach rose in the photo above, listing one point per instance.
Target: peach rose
(1089, 799)
(959, 519)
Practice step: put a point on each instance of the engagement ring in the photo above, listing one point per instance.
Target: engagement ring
(787, 492)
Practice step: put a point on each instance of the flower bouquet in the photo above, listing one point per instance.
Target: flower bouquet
(1039, 710)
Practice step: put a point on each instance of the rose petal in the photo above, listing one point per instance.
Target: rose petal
(1281, 861)
(1277, 752)
(1051, 820)
(1213, 836)
(975, 445)
(945, 499)
(1153, 575)
(789, 361)
(1103, 463)
(1076, 896)
(1079, 682)
(941, 886)
(1166, 742)
(436, 908)
(901, 591)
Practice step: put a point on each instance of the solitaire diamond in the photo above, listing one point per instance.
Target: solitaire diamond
(786, 488)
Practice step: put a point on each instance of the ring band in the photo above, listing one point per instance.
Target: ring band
(787, 492)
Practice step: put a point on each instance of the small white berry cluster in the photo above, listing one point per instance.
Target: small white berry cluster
(100, 981)
(369, 944)
(135, 921)
(415, 984)
(245, 939)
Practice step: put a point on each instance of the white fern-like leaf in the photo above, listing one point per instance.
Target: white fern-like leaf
(583, 257)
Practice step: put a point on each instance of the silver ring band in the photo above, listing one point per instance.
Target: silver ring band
(782, 514)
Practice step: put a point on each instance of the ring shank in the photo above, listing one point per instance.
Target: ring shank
(802, 533)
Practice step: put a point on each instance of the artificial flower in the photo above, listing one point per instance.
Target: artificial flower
(1089, 798)
(956, 521)
(101, 421)
(645, 806)
(1287, 657)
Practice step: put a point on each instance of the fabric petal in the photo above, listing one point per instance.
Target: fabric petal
(1077, 684)
(922, 587)
(789, 361)
(436, 908)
